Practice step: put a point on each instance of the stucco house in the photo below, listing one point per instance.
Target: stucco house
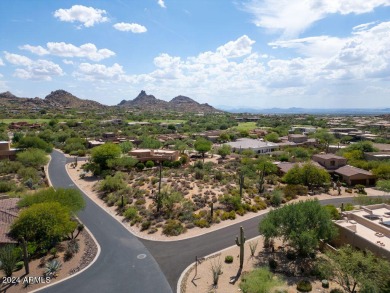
(352, 176)
(258, 146)
(6, 152)
(155, 155)
(330, 161)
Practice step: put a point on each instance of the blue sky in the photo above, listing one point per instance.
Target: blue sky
(249, 53)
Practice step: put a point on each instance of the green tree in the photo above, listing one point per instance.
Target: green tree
(382, 171)
(357, 270)
(383, 185)
(100, 155)
(301, 224)
(150, 143)
(32, 158)
(224, 150)
(126, 146)
(34, 142)
(69, 198)
(121, 164)
(272, 137)
(202, 145)
(45, 223)
(308, 174)
(324, 138)
(112, 183)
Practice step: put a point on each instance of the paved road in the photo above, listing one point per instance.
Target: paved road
(118, 267)
(172, 257)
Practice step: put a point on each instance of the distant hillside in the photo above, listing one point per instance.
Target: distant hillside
(180, 103)
(63, 99)
(58, 99)
(294, 110)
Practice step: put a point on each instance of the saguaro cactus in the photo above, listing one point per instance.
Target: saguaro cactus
(241, 244)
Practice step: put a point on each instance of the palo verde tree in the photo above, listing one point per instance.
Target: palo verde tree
(69, 198)
(307, 174)
(202, 146)
(101, 155)
(324, 138)
(45, 223)
(357, 270)
(301, 224)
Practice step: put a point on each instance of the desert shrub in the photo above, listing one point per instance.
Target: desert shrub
(349, 207)
(276, 198)
(199, 174)
(173, 228)
(19, 265)
(176, 164)
(232, 203)
(304, 286)
(8, 167)
(145, 225)
(112, 183)
(73, 246)
(29, 173)
(258, 281)
(202, 223)
(228, 259)
(130, 213)
(336, 291)
(149, 164)
(140, 166)
(291, 191)
(6, 186)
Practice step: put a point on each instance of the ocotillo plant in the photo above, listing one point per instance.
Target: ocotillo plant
(241, 181)
(241, 244)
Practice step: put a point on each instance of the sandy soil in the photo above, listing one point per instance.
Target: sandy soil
(37, 268)
(87, 185)
(202, 282)
(199, 279)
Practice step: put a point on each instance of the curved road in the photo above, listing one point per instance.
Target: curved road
(124, 263)
(119, 249)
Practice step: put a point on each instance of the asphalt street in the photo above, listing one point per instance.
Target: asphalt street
(124, 264)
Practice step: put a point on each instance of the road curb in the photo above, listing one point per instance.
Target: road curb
(46, 170)
(79, 272)
(178, 288)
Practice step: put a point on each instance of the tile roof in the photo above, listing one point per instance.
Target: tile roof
(350, 171)
(8, 213)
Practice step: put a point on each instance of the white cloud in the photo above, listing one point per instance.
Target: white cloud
(67, 62)
(87, 51)
(161, 3)
(130, 27)
(38, 50)
(88, 16)
(39, 70)
(16, 59)
(238, 48)
(62, 49)
(87, 71)
(292, 17)
(320, 46)
(1, 62)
